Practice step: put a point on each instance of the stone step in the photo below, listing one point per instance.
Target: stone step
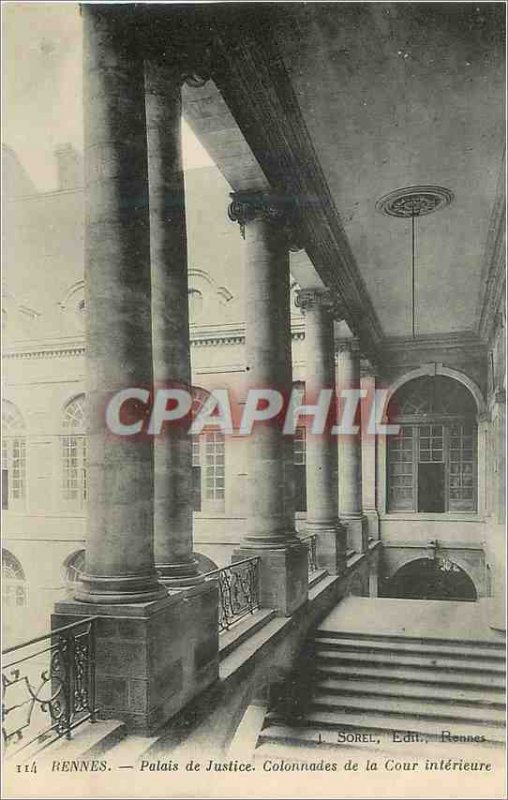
(487, 644)
(352, 686)
(459, 652)
(90, 740)
(397, 673)
(425, 662)
(382, 724)
(131, 750)
(418, 709)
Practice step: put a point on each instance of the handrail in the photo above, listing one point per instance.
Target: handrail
(48, 635)
(310, 539)
(228, 566)
(238, 585)
(50, 689)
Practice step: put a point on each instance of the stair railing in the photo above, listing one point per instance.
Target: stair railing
(312, 561)
(48, 686)
(238, 590)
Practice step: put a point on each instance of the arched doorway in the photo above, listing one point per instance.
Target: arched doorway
(430, 579)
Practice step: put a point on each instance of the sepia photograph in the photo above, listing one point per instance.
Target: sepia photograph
(254, 399)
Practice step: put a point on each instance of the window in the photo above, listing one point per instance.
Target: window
(73, 566)
(74, 452)
(299, 449)
(196, 302)
(196, 474)
(14, 586)
(13, 457)
(209, 480)
(214, 466)
(431, 465)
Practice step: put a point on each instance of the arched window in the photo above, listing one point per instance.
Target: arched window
(73, 566)
(13, 457)
(74, 452)
(14, 586)
(432, 463)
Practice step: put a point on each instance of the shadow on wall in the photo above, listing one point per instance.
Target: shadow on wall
(430, 579)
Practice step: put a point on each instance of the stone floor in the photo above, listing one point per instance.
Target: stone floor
(419, 618)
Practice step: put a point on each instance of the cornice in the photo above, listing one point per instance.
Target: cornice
(50, 349)
(459, 340)
(250, 74)
(199, 338)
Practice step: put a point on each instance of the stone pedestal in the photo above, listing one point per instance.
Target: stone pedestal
(151, 658)
(330, 546)
(357, 531)
(283, 576)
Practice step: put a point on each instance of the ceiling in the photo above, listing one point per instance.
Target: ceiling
(399, 95)
(378, 96)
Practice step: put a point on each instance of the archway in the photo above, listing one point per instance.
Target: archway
(430, 579)
(432, 464)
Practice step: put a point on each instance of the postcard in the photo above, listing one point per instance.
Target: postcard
(253, 400)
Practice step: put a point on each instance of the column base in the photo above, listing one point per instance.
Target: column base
(129, 589)
(357, 526)
(151, 659)
(175, 576)
(331, 545)
(283, 576)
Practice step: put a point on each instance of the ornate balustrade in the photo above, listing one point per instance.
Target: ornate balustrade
(48, 686)
(238, 590)
(311, 542)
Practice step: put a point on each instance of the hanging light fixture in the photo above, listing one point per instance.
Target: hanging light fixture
(411, 203)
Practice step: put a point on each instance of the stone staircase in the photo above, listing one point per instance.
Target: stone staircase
(383, 692)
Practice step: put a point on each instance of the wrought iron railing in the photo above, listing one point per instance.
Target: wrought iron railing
(312, 562)
(238, 590)
(48, 686)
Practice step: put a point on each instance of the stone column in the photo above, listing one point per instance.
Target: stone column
(369, 452)
(321, 449)
(119, 546)
(350, 452)
(153, 652)
(171, 344)
(270, 531)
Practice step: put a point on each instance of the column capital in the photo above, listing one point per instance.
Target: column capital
(351, 345)
(368, 369)
(307, 299)
(279, 210)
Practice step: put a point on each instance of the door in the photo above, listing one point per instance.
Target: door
(431, 483)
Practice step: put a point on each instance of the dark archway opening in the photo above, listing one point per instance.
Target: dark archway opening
(430, 579)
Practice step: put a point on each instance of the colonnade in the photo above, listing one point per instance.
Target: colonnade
(140, 499)
(139, 526)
